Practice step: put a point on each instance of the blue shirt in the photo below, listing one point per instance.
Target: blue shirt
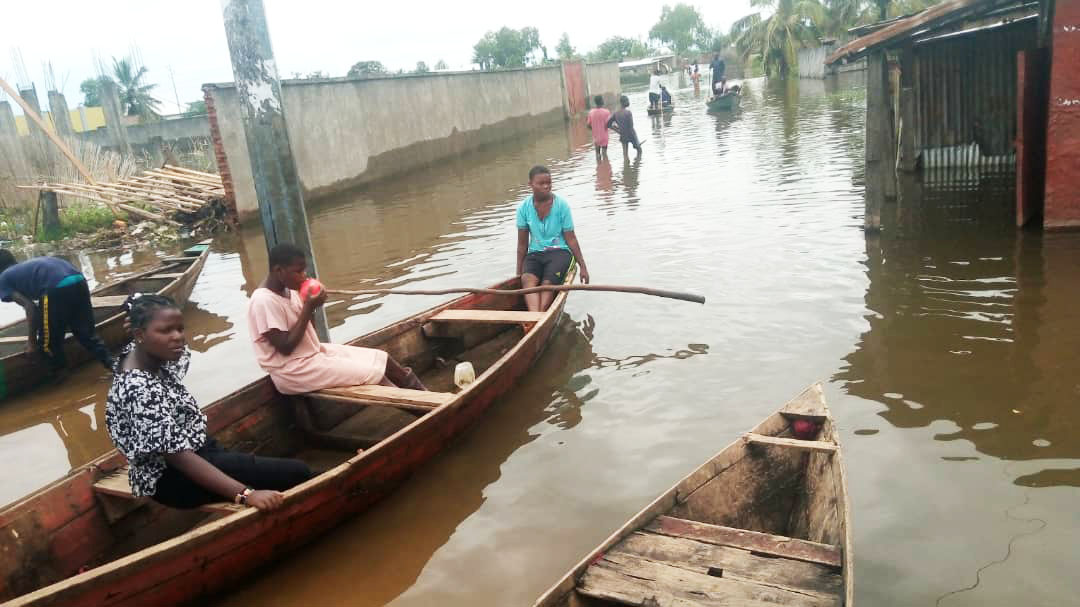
(35, 276)
(546, 233)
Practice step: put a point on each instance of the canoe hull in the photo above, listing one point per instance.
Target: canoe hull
(676, 502)
(213, 556)
(22, 371)
(726, 103)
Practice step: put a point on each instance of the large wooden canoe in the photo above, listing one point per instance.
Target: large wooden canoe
(765, 522)
(82, 541)
(21, 370)
(724, 103)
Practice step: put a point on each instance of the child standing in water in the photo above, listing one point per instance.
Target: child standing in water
(597, 121)
(623, 122)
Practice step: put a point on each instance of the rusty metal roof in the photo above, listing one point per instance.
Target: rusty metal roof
(937, 16)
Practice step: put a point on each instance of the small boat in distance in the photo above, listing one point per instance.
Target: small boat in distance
(84, 541)
(175, 276)
(726, 102)
(764, 522)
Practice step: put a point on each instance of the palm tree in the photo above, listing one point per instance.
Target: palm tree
(777, 39)
(842, 15)
(135, 97)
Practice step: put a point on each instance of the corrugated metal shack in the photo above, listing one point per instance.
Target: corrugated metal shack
(957, 95)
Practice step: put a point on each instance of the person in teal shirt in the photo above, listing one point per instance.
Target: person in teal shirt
(546, 240)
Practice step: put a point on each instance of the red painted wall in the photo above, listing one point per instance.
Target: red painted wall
(1062, 202)
(574, 80)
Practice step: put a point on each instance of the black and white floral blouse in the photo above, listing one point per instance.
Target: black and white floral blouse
(151, 414)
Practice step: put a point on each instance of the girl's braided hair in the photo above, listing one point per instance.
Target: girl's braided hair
(141, 308)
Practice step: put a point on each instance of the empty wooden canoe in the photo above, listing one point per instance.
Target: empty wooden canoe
(83, 541)
(765, 522)
(20, 371)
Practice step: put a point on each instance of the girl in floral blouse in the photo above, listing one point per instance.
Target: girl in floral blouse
(157, 424)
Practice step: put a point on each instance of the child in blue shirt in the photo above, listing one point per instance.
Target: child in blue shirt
(545, 240)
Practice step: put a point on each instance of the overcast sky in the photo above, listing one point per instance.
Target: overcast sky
(308, 35)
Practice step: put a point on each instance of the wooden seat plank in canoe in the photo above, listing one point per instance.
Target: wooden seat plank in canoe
(793, 443)
(108, 301)
(116, 484)
(488, 316)
(165, 276)
(629, 579)
(419, 400)
(734, 563)
(755, 542)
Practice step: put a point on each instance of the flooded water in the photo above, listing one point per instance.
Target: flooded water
(948, 349)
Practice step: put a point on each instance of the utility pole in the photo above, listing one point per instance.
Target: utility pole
(273, 165)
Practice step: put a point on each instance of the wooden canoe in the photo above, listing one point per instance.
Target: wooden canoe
(81, 542)
(666, 109)
(20, 371)
(765, 522)
(724, 103)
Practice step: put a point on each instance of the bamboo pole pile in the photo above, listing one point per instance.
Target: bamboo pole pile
(161, 193)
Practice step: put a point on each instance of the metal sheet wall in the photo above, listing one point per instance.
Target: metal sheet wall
(966, 102)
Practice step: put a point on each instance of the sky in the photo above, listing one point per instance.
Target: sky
(185, 42)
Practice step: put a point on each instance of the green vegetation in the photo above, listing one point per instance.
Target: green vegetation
(618, 48)
(681, 28)
(565, 50)
(91, 90)
(196, 108)
(507, 48)
(135, 95)
(440, 65)
(421, 68)
(74, 219)
(367, 69)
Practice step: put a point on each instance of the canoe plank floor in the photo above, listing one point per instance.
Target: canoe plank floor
(681, 563)
(488, 316)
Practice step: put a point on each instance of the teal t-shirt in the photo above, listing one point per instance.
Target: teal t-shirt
(547, 233)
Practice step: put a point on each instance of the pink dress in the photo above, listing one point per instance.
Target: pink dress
(311, 365)
(598, 118)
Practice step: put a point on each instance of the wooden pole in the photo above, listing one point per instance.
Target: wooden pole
(32, 115)
(691, 297)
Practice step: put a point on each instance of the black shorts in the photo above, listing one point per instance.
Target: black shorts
(549, 266)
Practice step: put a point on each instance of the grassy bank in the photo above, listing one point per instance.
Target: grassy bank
(74, 220)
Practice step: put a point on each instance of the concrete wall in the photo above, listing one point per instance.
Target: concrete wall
(171, 129)
(346, 132)
(603, 79)
(812, 61)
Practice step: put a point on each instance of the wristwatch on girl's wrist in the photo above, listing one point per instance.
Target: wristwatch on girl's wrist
(241, 498)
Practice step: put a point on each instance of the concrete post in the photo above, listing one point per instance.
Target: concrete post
(60, 115)
(50, 214)
(110, 103)
(12, 161)
(42, 157)
(258, 87)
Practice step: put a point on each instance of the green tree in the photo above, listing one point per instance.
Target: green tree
(367, 69)
(440, 65)
(618, 48)
(776, 41)
(196, 108)
(506, 48)
(91, 91)
(135, 97)
(839, 16)
(679, 27)
(421, 68)
(564, 49)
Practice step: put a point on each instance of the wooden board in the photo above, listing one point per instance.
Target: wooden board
(116, 484)
(734, 563)
(632, 580)
(793, 443)
(108, 301)
(488, 316)
(388, 394)
(759, 543)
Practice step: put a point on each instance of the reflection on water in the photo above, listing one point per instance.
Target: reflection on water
(950, 341)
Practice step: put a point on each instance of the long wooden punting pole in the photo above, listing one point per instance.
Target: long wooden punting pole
(691, 297)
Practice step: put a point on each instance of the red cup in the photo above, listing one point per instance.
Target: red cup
(310, 288)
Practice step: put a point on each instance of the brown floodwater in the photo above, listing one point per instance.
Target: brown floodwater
(948, 346)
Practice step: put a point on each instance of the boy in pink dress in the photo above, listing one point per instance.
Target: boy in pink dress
(597, 121)
(287, 347)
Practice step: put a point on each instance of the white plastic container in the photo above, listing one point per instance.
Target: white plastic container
(464, 374)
